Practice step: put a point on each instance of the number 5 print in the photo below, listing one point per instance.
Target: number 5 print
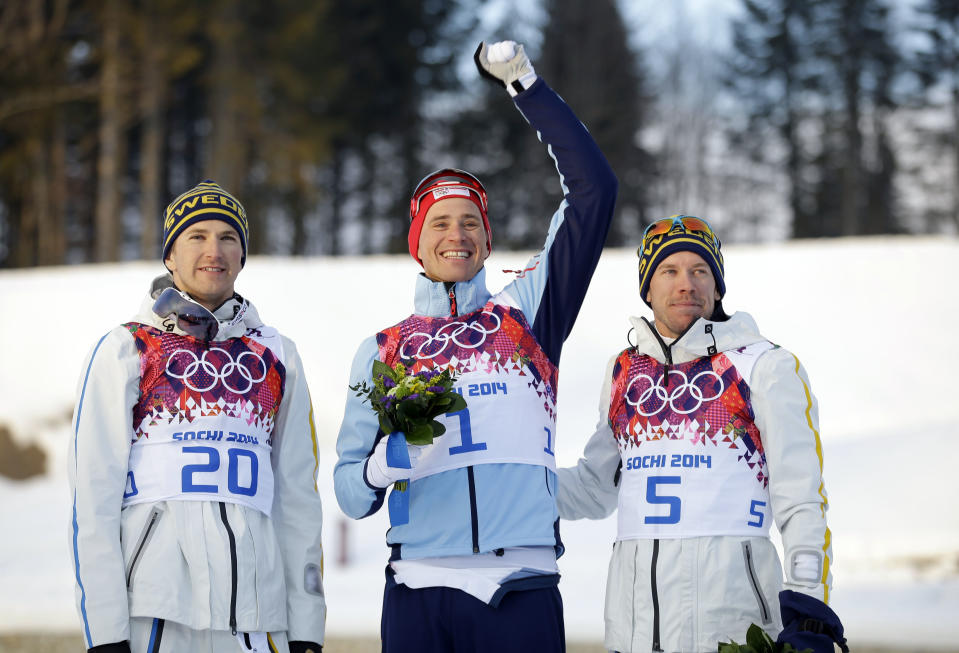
(673, 502)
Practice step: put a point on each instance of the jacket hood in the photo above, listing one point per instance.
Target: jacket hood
(700, 339)
(236, 315)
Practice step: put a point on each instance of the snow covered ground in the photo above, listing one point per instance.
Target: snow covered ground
(872, 320)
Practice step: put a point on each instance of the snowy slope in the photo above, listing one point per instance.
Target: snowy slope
(871, 319)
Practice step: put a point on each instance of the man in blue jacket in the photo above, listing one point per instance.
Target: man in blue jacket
(475, 534)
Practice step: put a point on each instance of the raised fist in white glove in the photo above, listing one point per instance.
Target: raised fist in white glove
(505, 63)
(392, 460)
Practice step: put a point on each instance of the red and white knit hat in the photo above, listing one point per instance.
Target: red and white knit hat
(440, 185)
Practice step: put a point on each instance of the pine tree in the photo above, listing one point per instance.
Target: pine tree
(815, 74)
(937, 65)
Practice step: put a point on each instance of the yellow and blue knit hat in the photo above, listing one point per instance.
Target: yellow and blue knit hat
(206, 201)
(679, 233)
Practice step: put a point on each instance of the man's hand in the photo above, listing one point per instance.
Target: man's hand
(116, 647)
(392, 460)
(505, 63)
(808, 623)
(305, 647)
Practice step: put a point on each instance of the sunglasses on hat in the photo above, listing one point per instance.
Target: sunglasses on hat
(687, 223)
(191, 318)
(451, 178)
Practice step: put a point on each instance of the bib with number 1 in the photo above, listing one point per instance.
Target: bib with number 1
(505, 376)
(693, 461)
(203, 426)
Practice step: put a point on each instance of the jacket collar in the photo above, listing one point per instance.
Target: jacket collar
(432, 299)
(236, 316)
(738, 331)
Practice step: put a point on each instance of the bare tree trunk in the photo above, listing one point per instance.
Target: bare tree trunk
(298, 209)
(852, 177)
(955, 149)
(53, 239)
(368, 212)
(226, 153)
(153, 110)
(25, 254)
(107, 215)
(337, 198)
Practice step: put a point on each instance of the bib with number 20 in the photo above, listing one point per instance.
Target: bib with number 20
(203, 427)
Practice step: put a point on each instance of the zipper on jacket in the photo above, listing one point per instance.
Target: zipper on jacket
(229, 532)
(668, 349)
(474, 518)
(754, 582)
(452, 300)
(655, 595)
(142, 543)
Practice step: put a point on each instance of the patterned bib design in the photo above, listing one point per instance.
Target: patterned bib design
(204, 422)
(505, 376)
(690, 448)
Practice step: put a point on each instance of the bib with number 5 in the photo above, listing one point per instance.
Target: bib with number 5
(693, 460)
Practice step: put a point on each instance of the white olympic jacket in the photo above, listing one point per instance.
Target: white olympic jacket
(710, 589)
(172, 559)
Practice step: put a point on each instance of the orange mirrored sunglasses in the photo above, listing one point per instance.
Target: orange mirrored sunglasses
(686, 222)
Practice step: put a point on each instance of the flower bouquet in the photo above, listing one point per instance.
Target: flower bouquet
(757, 641)
(409, 402)
(406, 403)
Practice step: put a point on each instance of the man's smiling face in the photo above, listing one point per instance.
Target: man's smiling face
(205, 261)
(453, 241)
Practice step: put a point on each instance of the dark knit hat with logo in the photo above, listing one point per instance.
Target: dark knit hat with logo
(206, 201)
(676, 234)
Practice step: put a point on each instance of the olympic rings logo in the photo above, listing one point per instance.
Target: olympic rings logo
(433, 345)
(195, 368)
(688, 388)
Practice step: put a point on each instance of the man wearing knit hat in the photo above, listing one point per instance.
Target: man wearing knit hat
(475, 532)
(707, 433)
(196, 522)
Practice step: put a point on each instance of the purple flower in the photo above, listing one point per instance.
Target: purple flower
(388, 382)
(436, 388)
(415, 395)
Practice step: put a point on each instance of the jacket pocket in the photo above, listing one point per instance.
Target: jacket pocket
(148, 530)
(754, 583)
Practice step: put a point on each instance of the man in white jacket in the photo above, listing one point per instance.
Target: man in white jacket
(196, 521)
(707, 434)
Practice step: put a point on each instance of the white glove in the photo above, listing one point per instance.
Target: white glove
(505, 63)
(379, 473)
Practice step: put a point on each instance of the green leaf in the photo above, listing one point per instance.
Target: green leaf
(438, 428)
(381, 368)
(788, 648)
(420, 434)
(409, 410)
(759, 640)
(732, 647)
(386, 425)
(458, 403)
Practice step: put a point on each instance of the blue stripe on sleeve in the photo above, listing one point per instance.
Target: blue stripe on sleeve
(76, 555)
